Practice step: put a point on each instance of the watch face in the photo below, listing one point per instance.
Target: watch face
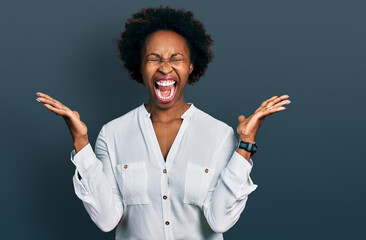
(250, 147)
(243, 145)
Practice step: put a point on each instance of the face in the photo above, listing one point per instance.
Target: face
(165, 67)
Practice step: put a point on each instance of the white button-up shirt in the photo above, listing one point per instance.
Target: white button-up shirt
(199, 192)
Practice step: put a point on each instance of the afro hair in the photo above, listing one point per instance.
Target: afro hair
(150, 20)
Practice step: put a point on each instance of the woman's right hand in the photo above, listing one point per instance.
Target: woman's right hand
(78, 129)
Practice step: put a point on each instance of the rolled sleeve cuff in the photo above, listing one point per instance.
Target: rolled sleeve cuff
(237, 176)
(240, 166)
(84, 159)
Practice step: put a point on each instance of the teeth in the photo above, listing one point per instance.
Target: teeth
(170, 95)
(165, 82)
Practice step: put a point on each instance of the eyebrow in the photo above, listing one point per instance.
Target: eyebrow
(157, 55)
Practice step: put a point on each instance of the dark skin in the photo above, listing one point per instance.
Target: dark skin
(166, 116)
(166, 133)
(166, 54)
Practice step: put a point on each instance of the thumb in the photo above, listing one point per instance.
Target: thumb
(241, 118)
(77, 114)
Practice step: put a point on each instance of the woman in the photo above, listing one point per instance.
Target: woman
(165, 170)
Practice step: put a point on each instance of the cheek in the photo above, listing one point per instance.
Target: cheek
(146, 75)
(182, 69)
(185, 72)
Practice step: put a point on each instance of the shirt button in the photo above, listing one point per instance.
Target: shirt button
(206, 170)
(165, 197)
(167, 223)
(164, 171)
(125, 166)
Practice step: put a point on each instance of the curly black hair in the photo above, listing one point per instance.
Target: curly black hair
(149, 20)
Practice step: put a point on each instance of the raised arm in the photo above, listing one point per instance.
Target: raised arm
(230, 188)
(78, 129)
(94, 181)
(228, 194)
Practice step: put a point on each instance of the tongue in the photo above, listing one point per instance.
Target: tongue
(165, 93)
(165, 88)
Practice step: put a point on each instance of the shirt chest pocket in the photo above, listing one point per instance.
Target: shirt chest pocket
(197, 183)
(132, 179)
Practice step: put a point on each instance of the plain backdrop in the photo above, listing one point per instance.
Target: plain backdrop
(310, 165)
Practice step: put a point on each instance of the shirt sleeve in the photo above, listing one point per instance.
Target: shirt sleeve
(229, 191)
(95, 185)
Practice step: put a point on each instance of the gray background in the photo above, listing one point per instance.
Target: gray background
(310, 163)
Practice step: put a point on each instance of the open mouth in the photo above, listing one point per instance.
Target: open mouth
(165, 90)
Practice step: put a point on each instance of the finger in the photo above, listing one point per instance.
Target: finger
(266, 102)
(43, 95)
(77, 114)
(241, 118)
(47, 97)
(55, 110)
(284, 102)
(274, 101)
(52, 103)
(272, 110)
(283, 97)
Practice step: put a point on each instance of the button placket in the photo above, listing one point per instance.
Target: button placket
(165, 203)
(164, 165)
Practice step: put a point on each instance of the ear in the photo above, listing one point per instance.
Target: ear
(190, 68)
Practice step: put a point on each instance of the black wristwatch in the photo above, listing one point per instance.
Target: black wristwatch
(250, 147)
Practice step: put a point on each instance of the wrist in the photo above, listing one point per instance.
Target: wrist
(245, 154)
(248, 146)
(246, 139)
(79, 137)
(80, 142)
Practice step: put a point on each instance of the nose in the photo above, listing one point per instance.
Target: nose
(165, 67)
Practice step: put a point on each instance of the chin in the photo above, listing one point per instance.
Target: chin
(165, 104)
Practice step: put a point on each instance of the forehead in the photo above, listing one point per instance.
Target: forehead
(163, 41)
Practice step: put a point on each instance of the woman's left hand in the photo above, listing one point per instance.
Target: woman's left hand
(248, 127)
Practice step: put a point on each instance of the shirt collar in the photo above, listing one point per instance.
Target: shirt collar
(187, 114)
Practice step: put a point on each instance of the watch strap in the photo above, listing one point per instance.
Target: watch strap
(247, 146)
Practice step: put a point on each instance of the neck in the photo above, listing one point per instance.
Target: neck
(166, 114)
